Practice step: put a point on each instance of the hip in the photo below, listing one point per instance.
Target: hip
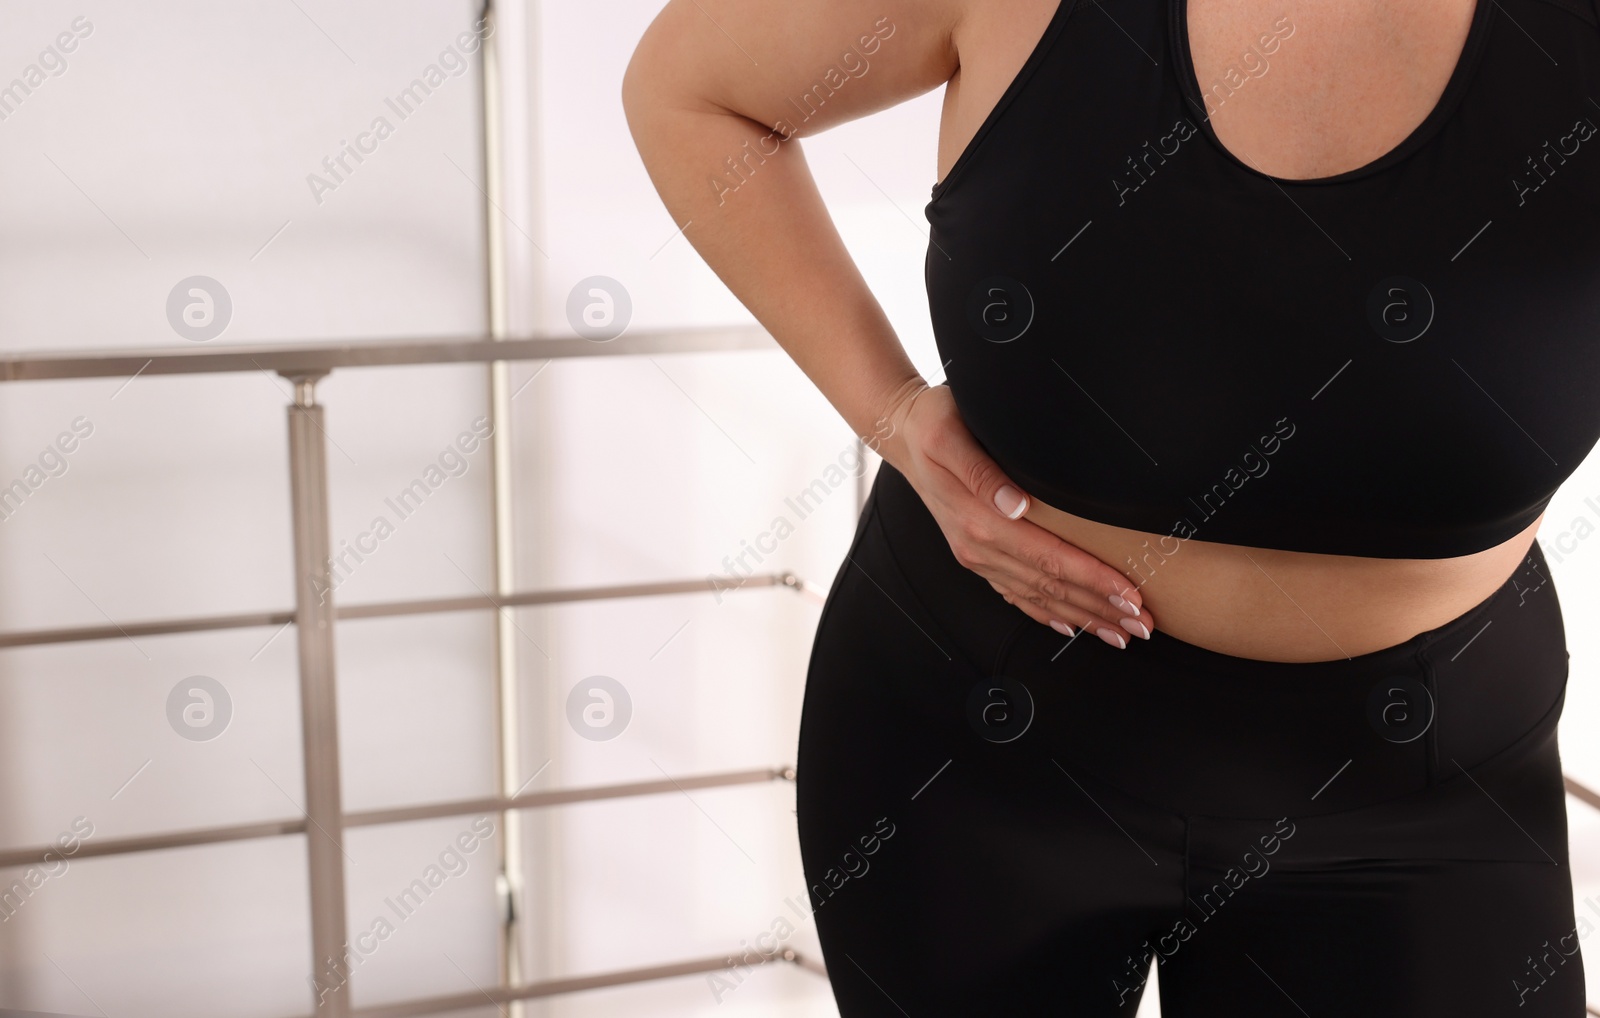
(913, 637)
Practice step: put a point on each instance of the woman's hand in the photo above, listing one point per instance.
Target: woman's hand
(980, 512)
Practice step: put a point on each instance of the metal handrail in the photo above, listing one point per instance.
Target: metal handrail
(34, 854)
(316, 359)
(388, 609)
(1582, 793)
(569, 984)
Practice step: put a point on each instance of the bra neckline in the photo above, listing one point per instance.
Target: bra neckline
(1449, 99)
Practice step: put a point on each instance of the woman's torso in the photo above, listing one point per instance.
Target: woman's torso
(1343, 92)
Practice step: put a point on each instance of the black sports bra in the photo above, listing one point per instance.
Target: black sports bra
(1400, 361)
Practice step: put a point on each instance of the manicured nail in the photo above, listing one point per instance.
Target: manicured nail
(1061, 627)
(1123, 604)
(1136, 627)
(1010, 501)
(1112, 637)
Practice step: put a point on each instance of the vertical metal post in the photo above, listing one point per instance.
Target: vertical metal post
(319, 723)
(508, 714)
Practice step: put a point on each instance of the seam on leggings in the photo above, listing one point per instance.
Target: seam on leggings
(1430, 682)
(905, 581)
(1369, 862)
(1186, 826)
(1515, 745)
(1008, 643)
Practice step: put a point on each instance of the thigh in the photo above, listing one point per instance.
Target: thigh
(1448, 939)
(952, 874)
(1453, 901)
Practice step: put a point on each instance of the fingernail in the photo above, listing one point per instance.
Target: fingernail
(1136, 627)
(1010, 501)
(1112, 637)
(1123, 604)
(1061, 627)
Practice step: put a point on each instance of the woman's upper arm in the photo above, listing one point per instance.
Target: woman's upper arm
(796, 66)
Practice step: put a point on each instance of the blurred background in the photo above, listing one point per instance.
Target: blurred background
(186, 176)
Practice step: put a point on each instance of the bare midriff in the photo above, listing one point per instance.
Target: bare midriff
(1276, 605)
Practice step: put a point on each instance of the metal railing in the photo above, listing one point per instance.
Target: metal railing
(315, 617)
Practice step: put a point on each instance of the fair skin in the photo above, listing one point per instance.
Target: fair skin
(710, 75)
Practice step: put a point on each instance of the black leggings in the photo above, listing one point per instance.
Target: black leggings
(997, 820)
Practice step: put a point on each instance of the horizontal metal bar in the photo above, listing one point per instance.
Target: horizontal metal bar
(538, 597)
(551, 987)
(36, 365)
(559, 797)
(35, 855)
(246, 620)
(196, 624)
(277, 828)
(1582, 793)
